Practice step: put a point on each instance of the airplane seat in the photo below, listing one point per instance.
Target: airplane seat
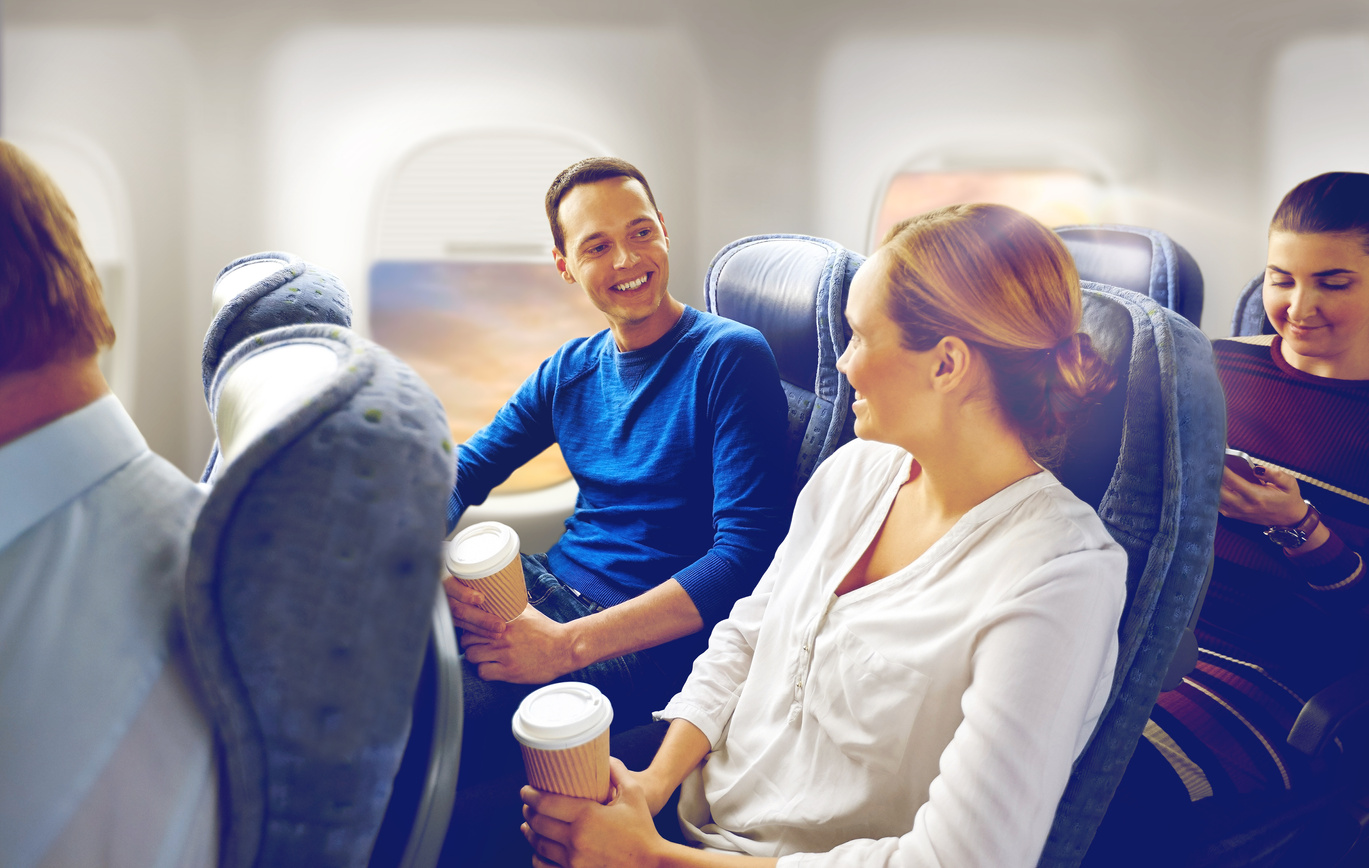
(1249, 318)
(321, 637)
(1148, 459)
(792, 288)
(1141, 260)
(263, 291)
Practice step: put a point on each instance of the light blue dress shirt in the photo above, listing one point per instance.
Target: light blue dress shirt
(94, 532)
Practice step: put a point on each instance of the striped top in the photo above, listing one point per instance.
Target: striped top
(1273, 629)
(1316, 428)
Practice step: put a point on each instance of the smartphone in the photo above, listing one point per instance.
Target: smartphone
(1241, 464)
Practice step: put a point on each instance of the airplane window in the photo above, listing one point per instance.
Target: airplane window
(462, 284)
(1056, 197)
(474, 331)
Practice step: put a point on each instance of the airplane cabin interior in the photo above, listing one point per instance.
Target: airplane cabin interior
(385, 164)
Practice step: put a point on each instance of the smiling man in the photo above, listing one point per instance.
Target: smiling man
(672, 422)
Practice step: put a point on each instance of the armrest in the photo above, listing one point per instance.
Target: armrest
(1328, 711)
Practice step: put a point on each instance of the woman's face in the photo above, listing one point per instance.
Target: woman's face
(1316, 294)
(885, 375)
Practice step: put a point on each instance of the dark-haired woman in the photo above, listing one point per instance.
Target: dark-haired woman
(935, 640)
(1285, 613)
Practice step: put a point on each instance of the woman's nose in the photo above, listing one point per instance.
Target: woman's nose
(1302, 304)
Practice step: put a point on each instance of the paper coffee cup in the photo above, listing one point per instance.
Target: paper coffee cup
(485, 557)
(563, 731)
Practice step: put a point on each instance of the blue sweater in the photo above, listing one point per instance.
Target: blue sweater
(679, 452)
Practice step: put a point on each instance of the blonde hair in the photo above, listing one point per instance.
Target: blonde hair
(50, 305)
(1006, 285)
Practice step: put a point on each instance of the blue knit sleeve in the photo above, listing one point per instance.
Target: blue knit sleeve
(751, 469)
(520, 431)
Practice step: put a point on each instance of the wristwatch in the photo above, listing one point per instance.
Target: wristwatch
(1293, 536)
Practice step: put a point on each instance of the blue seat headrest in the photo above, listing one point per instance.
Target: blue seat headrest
(1141, 260)
(1249, 317)
(792, 289)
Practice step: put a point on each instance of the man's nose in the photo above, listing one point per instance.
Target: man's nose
(625, 257)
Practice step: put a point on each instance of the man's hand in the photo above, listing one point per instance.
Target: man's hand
(1276, 501)
(572, 833)
(531, 649)
(467, 615)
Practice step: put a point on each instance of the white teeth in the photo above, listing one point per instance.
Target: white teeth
(630, 285)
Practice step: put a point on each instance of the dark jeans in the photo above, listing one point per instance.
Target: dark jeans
(488, 811)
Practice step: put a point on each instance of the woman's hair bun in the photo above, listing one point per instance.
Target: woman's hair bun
(1047, 392)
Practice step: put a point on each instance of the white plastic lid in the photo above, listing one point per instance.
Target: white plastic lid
(561, 716)
(482, 550)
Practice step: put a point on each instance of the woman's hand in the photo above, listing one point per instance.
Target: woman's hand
(1274, 502)
(581, 833)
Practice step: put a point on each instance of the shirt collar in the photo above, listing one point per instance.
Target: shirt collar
(45, 468)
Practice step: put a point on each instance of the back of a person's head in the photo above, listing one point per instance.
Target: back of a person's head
(1332, 203)
(587, 171)
(1006, 285)
(50, 306)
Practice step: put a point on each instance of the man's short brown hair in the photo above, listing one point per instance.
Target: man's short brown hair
(50, 304)
(587, 171)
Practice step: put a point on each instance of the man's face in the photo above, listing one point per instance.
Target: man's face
(616, 248)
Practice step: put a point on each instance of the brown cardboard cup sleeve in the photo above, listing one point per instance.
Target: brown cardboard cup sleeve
(485, 557)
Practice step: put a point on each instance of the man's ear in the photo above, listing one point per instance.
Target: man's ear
(953, 361)
(560, 259)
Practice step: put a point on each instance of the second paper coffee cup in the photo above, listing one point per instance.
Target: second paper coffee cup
(563, 731)
(485, 557)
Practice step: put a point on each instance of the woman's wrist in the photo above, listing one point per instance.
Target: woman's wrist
(1315, 540)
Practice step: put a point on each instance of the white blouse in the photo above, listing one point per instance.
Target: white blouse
(929, 718)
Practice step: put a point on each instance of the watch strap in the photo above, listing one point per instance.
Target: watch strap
(1293, 536)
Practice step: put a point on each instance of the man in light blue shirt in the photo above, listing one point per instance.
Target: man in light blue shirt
(106, 756)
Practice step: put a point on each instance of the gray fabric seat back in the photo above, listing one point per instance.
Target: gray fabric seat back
(313, 597)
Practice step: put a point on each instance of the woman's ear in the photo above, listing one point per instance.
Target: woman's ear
(954, 364)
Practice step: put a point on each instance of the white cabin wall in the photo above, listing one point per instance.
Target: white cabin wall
(340, 107)
(1318, 111)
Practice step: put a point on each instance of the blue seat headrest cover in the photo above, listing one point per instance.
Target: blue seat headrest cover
(1142, 260)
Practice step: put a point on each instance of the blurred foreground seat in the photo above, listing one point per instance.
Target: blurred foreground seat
(314, 612)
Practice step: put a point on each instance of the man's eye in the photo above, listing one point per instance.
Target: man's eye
(1334, 284)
